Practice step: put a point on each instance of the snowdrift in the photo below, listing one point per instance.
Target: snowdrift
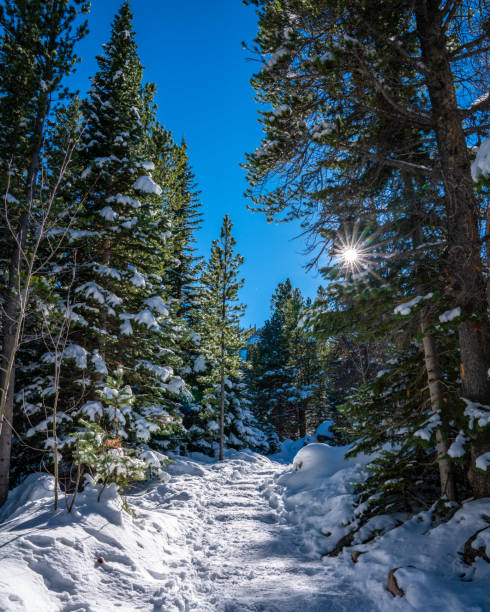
(98, 557)
(437, 566)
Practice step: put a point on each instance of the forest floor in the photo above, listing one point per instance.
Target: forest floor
(216, 537)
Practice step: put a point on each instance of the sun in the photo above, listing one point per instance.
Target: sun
(350, 255)
(354, 252)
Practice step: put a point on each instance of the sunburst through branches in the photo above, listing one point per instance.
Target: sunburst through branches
(354, 253)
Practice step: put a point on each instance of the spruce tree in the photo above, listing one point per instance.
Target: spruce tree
(225, 414)
(36, 53)
(118, 299)
(287, 374)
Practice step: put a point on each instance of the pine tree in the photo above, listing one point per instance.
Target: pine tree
(118, 299)
(351, 108)
(287, 374)
(37, 52)
(225, 414)
(182, 276)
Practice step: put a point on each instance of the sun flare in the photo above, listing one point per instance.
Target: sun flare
(350, 255)
(354, 252)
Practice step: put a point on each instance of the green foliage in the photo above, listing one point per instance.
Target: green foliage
(287, 374)
(222, 340)
(105, 458)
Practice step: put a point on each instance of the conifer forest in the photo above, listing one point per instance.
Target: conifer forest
(160, 450)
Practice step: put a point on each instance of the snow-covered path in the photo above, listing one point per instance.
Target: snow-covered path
(243, 557)
(207, 540)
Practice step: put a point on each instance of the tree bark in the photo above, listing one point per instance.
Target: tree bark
(11, 327)
(12, 320)
(432, 366)
(222, 414)
(302, 421)
(464, 261)
(6, 443)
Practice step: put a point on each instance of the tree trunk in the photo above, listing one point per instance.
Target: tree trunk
(6, 443)
(11, 327)
(12, 320)
(222, 414)
(302, 421)
(464, 261)
(434, 378)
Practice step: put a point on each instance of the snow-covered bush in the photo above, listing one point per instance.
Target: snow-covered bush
(106, 459)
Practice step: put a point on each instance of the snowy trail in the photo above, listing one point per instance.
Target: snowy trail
(206, 541)
(230, 537)
(244, 558)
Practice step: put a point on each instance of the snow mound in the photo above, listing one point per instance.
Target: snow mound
(289, 448)
(313, 463)
(89, 559)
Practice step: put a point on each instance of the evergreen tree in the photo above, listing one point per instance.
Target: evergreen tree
(36, 53)
(118, 298)
(225, 414)
(287, 372)
(351, 109)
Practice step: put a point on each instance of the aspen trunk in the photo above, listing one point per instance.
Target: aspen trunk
(11, 328)
(434, 379)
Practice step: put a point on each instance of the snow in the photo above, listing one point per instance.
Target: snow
(405, 309)
(99, 294)
(480, 168)
(98, 363)
(200, 364)
(108, 213)
(314, 461)
(231, 536)
(449, 315)
(425, 433)
(77, 353)
(324, 429)
(145, 317)
(125, 200)
(483, 461)
(126, 328)
(457, 447)
(148, 166)
(158, 305)
(161, 372)
(92, 410)
(477, 412)
(146, 184)
(138, 280)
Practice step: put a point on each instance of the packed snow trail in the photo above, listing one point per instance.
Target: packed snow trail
(245, 560)
(207, 540)
(243, 535)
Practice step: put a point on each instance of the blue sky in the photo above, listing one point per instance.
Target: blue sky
(192, 50)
